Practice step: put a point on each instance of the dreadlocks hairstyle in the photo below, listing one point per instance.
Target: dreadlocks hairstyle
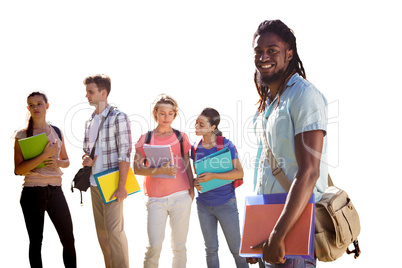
(295, 65)
(30, 121)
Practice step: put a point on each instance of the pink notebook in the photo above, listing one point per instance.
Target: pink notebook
(260, 220)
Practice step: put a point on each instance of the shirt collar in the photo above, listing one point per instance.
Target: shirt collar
(292, 80)
(102, 114)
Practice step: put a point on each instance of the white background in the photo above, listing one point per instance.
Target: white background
(200, 52)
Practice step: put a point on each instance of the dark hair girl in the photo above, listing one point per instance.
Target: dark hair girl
(42, 186)
(219, 204)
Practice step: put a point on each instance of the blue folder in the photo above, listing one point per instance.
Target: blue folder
(218, 162)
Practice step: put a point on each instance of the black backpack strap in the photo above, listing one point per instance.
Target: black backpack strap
(178, 135)
(180, 138)
(147, 141)
(57, 131)
(148, 137)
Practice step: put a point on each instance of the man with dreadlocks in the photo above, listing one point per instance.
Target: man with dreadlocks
(292, 114)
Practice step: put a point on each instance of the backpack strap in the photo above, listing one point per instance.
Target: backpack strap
(147, 141)
(180, 138)
(220, 146)
(195, 147)
(176, 132)
(148, 137)
(57, 131)
(219, 143)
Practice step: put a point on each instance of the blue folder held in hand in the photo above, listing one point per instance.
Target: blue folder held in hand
(218, 162)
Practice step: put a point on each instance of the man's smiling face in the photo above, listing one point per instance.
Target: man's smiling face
(271, 57)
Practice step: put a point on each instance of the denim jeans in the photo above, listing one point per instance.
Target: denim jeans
(228, 217)
(290, 263)
(34, 202)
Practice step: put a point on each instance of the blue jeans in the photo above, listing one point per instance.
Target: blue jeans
(34, 202)
(228, 217)
(290, 263)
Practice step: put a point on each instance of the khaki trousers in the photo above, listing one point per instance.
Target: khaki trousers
(109, 223)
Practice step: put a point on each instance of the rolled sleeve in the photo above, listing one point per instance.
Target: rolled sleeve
(310, 111)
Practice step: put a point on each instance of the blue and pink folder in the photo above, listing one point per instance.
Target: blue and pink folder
(260, 217)
(218, 162)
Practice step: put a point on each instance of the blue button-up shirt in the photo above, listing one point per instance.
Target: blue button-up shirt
(301, 108)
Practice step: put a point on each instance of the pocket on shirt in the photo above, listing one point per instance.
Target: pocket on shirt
(279, 120)
(278, 127)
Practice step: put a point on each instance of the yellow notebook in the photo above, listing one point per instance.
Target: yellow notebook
(108, 180)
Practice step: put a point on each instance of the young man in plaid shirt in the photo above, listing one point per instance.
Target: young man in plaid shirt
(113, 149)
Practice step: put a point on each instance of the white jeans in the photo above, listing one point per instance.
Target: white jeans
(178, 209)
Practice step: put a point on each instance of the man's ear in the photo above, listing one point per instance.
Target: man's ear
(104, 93)
(47, 106)
(289, 54)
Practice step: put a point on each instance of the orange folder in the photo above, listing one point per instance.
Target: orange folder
(260, 220)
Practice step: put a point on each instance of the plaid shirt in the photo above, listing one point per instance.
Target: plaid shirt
(114, 137)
